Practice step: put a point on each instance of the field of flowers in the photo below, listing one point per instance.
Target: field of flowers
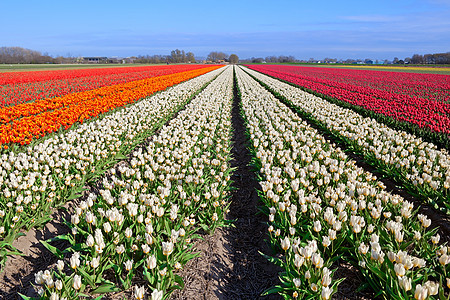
(418, 99)
(24, 122)
(20, 87)
(419, 165)
(54, 170)
(144, 165)
(144, 218)
(322, 207)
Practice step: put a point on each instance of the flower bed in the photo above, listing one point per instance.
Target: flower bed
(323, 208)
(145, 216)
(20, 87)
(54, 171)
(420, 99)
(23, 123)
(419, 165)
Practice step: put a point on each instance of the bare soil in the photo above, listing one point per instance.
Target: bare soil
(18, 274)
(230, 265)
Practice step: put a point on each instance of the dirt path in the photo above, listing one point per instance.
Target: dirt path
(18, 273)
(229, 265)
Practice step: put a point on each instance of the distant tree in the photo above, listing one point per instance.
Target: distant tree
(190, 57)
(234, 59)
(417, 59)
(175, 56)
(216, 56)
(271, 59)
(18, 55)
(429, 59)
(395, 61)
(257, 60)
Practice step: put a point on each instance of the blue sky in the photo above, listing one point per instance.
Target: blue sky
(336, 29)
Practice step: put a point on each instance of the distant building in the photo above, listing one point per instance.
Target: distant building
(95, 60)
(115, 60)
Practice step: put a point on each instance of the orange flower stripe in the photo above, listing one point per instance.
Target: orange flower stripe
(67, 110)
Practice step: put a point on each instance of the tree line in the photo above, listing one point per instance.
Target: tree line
(18, 55)
(437, 58)
(271, 59)
(180, 56)
(176, 56)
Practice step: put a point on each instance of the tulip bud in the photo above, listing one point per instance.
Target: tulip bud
(58, 285)
(139, 292)
(285, 243)
(317, 226)
(167, 248)
(326, 293)
(405, 283)
(151, 262)
(77, 282)
(128, 264)
(297, 282)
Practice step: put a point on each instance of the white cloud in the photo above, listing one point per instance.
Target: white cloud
(372, 18)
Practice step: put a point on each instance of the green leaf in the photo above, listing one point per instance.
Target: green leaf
(204, 227)
(188, 257)
(273, 290)
(25, 297)
(106, 288)
(73, 196)
(120, 156)
(179, 280)
(273, 260)
(149, 276)
(53, 249)
(64, 237)
(87, 277)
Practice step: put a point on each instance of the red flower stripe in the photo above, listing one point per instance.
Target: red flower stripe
(85, 105)
(21, 87)
(421, 99)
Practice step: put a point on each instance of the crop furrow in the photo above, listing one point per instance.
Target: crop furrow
(323, 209)
(50, 173)
(144, 219)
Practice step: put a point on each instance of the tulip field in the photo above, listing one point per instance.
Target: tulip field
(142, 158)
(20, 87)
(409, 101)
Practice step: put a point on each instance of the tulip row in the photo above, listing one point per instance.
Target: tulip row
(383, 84)
(419, 165)
(21, 87)
(322, 208)
(51, 115)
(42, 104)
(55, 170)
(372, 92)
(144, 218)
(419, 113)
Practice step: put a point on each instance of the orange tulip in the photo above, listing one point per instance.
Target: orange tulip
(77, 107)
